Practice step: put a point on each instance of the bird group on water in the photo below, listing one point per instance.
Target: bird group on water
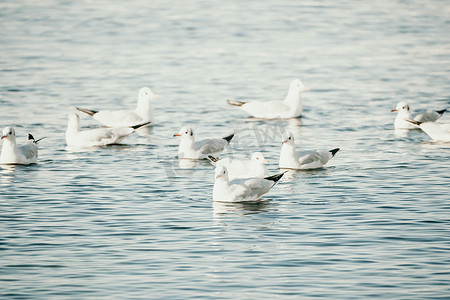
(235, 180)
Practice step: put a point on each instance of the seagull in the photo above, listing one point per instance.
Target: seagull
(404, 113)
(240, 190)
(291, 107)
(118, 118)
(238, 168)
(191, 149)
(304, 160)
(20, 155)
(436, 131)
(95, 137)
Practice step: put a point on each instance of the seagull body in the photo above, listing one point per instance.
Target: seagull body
(436, 131)
(95, 137)
(238, 168)
(404, 114)
(190, 149)
(240, 190)
(303, 160)
(20, 155)
(125, 118)
(291, 107)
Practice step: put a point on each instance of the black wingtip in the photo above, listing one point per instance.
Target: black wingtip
(334, 151)
(87, 111)
(31, 138)
(276, 177)
(414, 122)
(212, 158)
(228, 138)
(441, 111)
(140, 125)
(236, 103)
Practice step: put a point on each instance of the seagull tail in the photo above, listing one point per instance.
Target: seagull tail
(441, 112)
(334, 151)
(414, 122)
(236, 103)
(139, 125)
(87, 111)
(276, 177)
(213, 159)
(31, 138)
(228, 138)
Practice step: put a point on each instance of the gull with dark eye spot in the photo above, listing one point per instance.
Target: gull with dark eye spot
(242, 189)
(290, 107)
(190, 149)
(302, 160)
(404, 113)
(14, 154)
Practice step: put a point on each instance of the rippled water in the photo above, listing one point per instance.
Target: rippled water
(129, 221)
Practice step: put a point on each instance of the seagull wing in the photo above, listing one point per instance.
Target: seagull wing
(211, 146)
(29, 150)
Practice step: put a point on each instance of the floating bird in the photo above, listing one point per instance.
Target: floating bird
(404, 113)
(436, 131)
(95, 137)
(237, 168)
(291, 107)
(304, 160)
(20, 155)
(240, 190)
(190, 149)
(120, 118)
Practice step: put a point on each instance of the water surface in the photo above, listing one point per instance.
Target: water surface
(130, 222)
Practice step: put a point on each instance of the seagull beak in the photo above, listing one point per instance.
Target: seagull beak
(283, 142)
(3, 137)
(218, 176)
(305, 88)
(155, 96)
(265, 161)
(177, 134)
(394, 110)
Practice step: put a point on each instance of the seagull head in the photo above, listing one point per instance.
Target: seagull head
(8, 133)
(258, 157)
(298, 86)
(221, 172)
(73, 121)
(145, 93)
(185, 132)
(289, 140)
(402, 108)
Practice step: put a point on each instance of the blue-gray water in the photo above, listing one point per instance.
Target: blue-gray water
(129, 222)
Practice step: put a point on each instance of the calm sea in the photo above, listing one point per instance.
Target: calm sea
(131, 221)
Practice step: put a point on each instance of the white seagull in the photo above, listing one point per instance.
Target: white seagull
(404, 113)
(291, 107)
(95, 137)
(237, 168)
(117, 118)
(304, 160)
(240, 190)
(436, 131)
(20, 155)
(190, 149)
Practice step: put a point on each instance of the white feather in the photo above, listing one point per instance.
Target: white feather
(290, 107)
(304, 160)
(124, 118)
(13, 154)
